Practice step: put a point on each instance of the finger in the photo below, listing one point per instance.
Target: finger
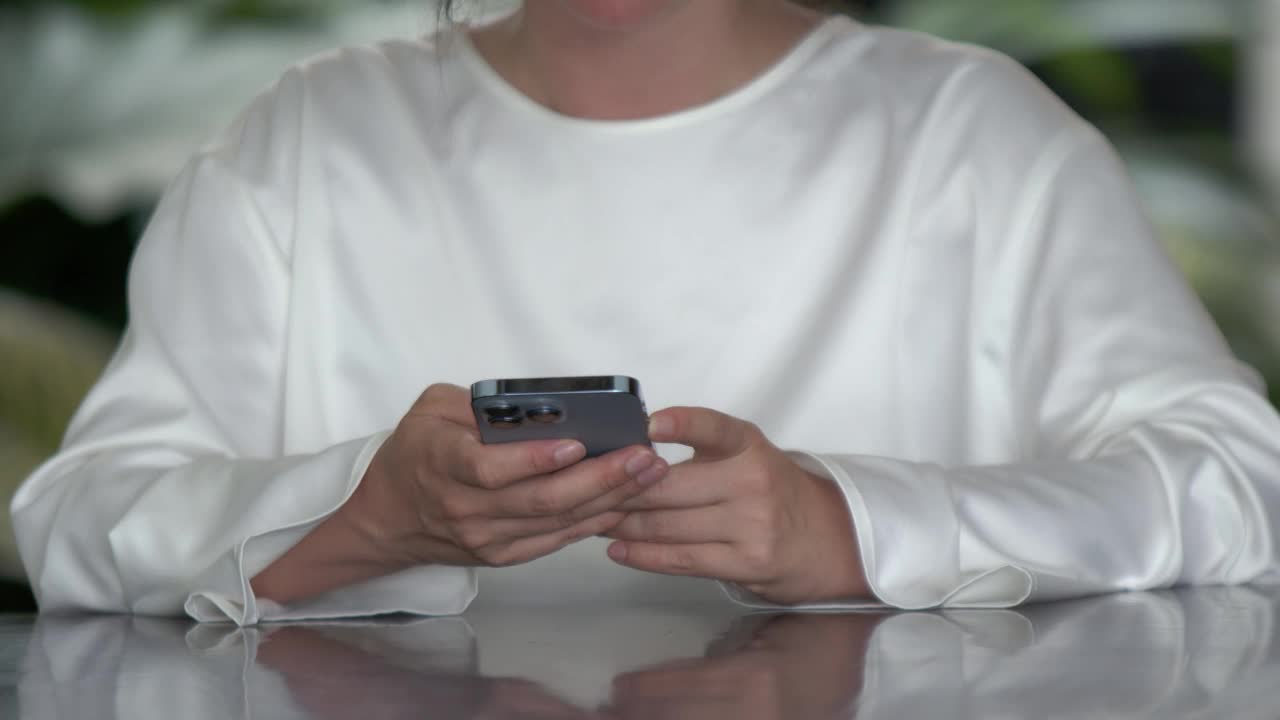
(702, 678)
(711, 434)
(718, 561)
(531, 548)
(493, 467)
(617, 476)
(700, 525)
(449, 402)
(487, 533)
(612, 501)
(687, 485)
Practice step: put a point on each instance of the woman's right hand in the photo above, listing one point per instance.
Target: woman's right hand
(434, 494)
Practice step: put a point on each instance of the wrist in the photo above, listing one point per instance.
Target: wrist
(343, 549)
(377, 522)
(843, 566)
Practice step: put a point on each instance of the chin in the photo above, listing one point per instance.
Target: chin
(620, 14)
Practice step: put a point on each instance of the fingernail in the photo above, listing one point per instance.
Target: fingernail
(570, 452)
(661, 426)
(618, 552)
(656, 472)
(639, 463)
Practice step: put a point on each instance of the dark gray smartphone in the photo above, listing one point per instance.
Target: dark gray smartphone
(604, 412)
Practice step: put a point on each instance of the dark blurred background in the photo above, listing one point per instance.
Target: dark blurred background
(102, 100)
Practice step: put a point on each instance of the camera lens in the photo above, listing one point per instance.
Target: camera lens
(501, 410)
(546, 415)
(505, 422)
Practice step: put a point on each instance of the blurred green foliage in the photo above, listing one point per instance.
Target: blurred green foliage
(51, 357)
(271, 11)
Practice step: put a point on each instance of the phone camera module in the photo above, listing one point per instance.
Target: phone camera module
(501, 411)
(546, 415)
(505, 422)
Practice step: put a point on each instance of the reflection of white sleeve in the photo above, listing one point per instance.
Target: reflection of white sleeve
(173, 488)
(118, 667)
(1203, 654)
(1149, 456)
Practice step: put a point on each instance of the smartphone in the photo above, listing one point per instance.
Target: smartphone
(603, 412)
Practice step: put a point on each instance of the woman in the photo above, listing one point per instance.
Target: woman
(902, 260)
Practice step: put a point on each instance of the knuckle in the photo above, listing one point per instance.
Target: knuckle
(453, 508)
(680, 560)
(483, 474)
(755, 480)
(759, 557)
(538, 461)
(602, 523)
(544, 502)
(760, 520)
(677, 421)
(566, 520)
(435, 393)
(497, 557)
(473, 537)
(661, 495)
(613, 478)
(484, 556)
(443, 452)
(655, 525)
(574, 533)
(724, 425)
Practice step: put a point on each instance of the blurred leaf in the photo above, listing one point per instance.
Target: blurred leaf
(98, 114)
(238, 10)
(48, 360)
(1218, 57)
(1031, 29)
(17, 460)
(1104, 80)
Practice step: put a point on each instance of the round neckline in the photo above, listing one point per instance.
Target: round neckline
(761, 84)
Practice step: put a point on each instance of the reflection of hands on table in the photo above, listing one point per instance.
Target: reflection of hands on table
(741, 511)
(332, 680)
(787, 667)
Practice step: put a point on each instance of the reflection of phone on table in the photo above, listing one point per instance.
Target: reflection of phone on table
(604, 412)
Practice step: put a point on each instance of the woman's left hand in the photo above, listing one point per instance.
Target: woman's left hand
(741, 511)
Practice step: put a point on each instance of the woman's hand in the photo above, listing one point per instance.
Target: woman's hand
(779, 667)
(741, 511)
(338, 676)
(443, 497)
(435, 495)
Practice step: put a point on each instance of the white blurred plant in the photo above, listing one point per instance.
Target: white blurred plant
(102, 112)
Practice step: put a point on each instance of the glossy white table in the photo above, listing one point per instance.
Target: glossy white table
(1208, 653)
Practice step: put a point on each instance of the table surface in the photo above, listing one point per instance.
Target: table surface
(1205, 653)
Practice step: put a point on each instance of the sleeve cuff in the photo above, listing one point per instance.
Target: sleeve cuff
(224, 593)
(909, 539)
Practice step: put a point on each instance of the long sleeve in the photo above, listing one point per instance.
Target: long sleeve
(1146, 455)
(174, 486)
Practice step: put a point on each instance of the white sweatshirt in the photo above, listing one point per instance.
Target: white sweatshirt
(904, 259)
